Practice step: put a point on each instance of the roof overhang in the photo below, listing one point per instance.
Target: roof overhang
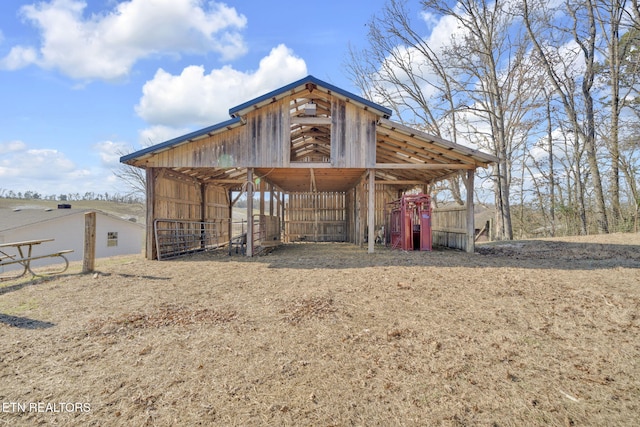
(429, 148)
(184, 139)
(404, 156)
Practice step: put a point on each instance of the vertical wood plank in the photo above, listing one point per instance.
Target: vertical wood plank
(89, 256)
(151, 204)
(471, 227)
(249, 251)
(230, 223)
(262, 191)
(271, 196)
(371, 210)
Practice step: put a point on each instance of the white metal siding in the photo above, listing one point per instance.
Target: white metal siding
(68, 232)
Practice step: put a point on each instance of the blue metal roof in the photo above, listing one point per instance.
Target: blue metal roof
(176, 141)
(309, 79)
(234, 112)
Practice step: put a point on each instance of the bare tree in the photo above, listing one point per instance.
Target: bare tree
(134, 178)
(610, 16)
(478, 82)
(583, 31)
(402, 70)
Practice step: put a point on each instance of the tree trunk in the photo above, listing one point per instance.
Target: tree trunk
(588, 49)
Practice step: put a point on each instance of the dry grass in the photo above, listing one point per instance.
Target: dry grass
(525, 333)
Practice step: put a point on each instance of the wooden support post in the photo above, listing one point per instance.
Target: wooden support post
(262, 191)
(271, 196)
(150, 246)
(89, 257)
(282, 213)
(371, 210)
(203, 214)
(471, 226)
(230, 224)
(249, 251)
(361, 212)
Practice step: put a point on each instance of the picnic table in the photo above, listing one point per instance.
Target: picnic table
(22, 253)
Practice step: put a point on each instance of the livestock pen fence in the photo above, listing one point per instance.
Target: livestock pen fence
(316, 217)
(176, 237)
(449, 227)
(310, 217)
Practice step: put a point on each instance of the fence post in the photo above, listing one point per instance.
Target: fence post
(89, 259)
(471, 227)
(371, 211)
(249, 247)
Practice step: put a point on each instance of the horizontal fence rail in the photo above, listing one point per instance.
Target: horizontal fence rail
(316, 217)
(176, 237)
(449, 227)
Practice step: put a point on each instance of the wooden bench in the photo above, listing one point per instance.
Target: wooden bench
(24, 259)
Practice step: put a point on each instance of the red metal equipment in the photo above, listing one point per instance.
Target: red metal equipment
(410, 222)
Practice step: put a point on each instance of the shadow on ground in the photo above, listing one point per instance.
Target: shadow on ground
(24, 322)
(533, 254)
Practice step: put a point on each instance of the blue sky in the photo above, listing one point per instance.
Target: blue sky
(82, 81)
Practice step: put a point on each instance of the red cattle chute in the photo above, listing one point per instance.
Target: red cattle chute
(410, 222)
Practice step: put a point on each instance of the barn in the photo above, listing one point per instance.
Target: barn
(324, 164)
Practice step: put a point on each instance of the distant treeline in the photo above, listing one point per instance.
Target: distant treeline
(34, 195)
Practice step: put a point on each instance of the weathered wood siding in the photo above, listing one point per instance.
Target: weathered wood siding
(357, 208)
(269, 230)
(216, 211)
(263, 141)
(318, 217)
(177, 197)
(384, 195)
(353, 136)
(268, 133)
(449, 227)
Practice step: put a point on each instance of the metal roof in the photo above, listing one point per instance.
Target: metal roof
(11, 219)
(208, 131)
(237, 112)
(404, 156)
(300, 85)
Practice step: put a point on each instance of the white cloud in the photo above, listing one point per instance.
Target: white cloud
(441, 32)
(48, 171)
(110, 152)
(159, 133)
(196, 98)
(12, 146)
(18, 57)
(29, 169)
(35, 163)
(106, 46)
(443, 28)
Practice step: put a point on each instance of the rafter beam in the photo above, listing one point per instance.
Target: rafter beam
(303, 120)
(399, 182)
(307, 165)
(421, 166)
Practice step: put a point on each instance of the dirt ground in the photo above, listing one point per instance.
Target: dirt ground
(528, 333)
